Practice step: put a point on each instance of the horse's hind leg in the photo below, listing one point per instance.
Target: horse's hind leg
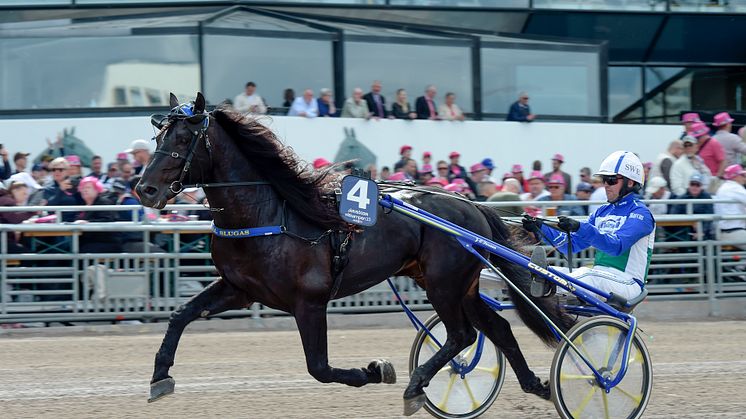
(498, 330)
(216, 298)
(311, 320)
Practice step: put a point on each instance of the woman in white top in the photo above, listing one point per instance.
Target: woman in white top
(450, 111)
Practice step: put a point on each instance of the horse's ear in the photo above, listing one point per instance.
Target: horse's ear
(174, 102)
(199, 104)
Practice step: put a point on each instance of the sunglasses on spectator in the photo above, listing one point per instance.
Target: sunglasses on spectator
(688, 144)
(611, 180)
(58, 169)
(697, 184)
(554, 187)
(442, 168)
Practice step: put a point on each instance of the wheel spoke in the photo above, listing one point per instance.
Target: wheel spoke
(564, 377)
(474, 402)
(447, 393)
(433, 346)
(637, 399)
(606, 404)
(494, 371)
(584, 403)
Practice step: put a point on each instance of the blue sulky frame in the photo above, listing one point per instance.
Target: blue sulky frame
(472, 243)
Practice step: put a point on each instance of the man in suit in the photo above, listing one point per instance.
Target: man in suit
(425, 105)
(376, 101)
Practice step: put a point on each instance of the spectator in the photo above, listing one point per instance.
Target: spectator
(249, 101)
(665, 160)
(288, 97)
(508, 194)
(122, 158)
(511, 185)
(126, 172)
(709, 149)
(557, 161)
(585, 175)
(26, 178)
(536, 165)
(583, 193)
(695, 191)
(372, 171)
(91, 191)
(426, 157)
(321, 163)
(5, 170)
(75, 168)
(355, 106)
(442, 170)
(96, 165)
(656, 188)
(685, 166)
(140, 150)
(478, 173)
(305, 106)
(410, 169)
(40, 174)
(646, 168)
(438, 182)
(742, 133)
(326, 103)
(61, 191)
(112, 172)
(375, 101)
(450, 111)
(20, 160)
(517, 171)
(536, 187)
(385, 173)
(556, 186)
(490, 165)
(520, 111)
(400, 109)
(485, 190)
(733, 145)
(425, 105)
(599, 193)
(405, 153)
(425, 174)
(733, 189)
(687, 120)
(16, 195)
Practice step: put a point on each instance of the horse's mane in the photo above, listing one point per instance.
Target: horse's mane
(301, 186)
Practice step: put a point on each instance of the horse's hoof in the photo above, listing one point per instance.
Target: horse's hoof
(161, 389)
(539, 388)
(385, 369)
(412, 405)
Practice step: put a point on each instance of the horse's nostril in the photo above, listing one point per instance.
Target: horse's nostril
(149, 190)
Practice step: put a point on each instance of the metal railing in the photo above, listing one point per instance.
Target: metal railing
(57, 283)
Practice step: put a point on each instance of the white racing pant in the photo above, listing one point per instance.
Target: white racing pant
(601, 277)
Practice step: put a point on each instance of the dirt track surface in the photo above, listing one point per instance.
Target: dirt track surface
(698, 368)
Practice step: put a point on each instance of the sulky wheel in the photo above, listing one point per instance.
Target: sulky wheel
(449, 395)
(575, 391)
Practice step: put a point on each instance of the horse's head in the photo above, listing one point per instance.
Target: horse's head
(181, 142)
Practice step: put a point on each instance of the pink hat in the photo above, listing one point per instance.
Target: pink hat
(517, 168)
(438, 181)
(93, 181)
(459, 181)
(398, 176)
(722, 119)
(698, 129)
(536, 175)
(454, 154)
(477, 168)
(733, 170)
(454, 187)
(321, 163)
(73, 160)
(507, 175)
(404, 148)
(426, 154)
(426, 168)
(558, 157)
(556, 180)
(690, 117)
(648, 165)
(123, 156)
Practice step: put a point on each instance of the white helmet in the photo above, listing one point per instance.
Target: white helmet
(623, 163)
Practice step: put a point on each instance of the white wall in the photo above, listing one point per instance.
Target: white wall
(505, 142)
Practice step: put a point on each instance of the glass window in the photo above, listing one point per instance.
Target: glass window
(701, 38)
(656, 76)
(709, 6)
(625, 88)
(558, 82)
(95, 71)
(462, 3)
(232, 61)
(411, 67)
(644, 5)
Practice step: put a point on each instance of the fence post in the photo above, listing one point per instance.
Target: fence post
(711, 273)
(4, 296)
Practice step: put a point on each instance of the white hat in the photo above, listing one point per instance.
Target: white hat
(138, 145)
(25, 178)
(622, 163)
(654, 184)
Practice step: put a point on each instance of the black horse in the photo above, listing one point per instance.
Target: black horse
(256, 181)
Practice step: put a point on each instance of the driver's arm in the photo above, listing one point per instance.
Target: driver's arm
(559, 238)
(637, 225)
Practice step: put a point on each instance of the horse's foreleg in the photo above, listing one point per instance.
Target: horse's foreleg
(311, 321)
(216, 298)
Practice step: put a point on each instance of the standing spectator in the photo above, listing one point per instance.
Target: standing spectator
(249, 101)
(556, 186)
(490, 166)
(687, 120)
(486, 189)
(656, 188)
(112, 172)
(478, 173)
(583, 193)
(517, 171)
(355, 106)
(385, 173)
(733, 145)
(536, 187)
(456, 171)
(425, 174)
(425, 105)
(326, 103)
(685, 166)
(96, 165)
(598, 194)
(708, 148)
(140, 150)
(520, 111)
(405, 153)
(442, 171)
(410, 169)
(665, 160)
(91, 192)
(449, 111)
(557, 161)
(40, 174)
(400, 109)
(288, 97)
(75, 168)
(5, 170)
(375, 100)
(647, 167)
(695, 191)
(426, 157)
(305, 106)
(126, 172)
(585, 175)
(20, 160)
(733, 189)
(61, 191)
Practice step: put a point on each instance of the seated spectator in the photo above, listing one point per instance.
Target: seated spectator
(441, 170)
(508, 194)
(517, 172)
(249, 101)
(512, 185)
(583, 193)
(536, 187)
(372, 171)
(425, 106)
(664, 162)
(438, 182)
(556, 186)
(685, 166)
(478, 173)
(375, 100)
(520, 111)
(401, 109)
(450, 111)
(25, 178)
(75, 168)
(405, 154)
(656, 188)
(288, 97)
(410, 169)
(40, 174)
(305, 106)
(355, 106)
(96, 164)
(695, 191)
(385, 173)
(326, 103)
(112, 172)
(61, 190)
(485, 189)
(20, 160)
(15, 195)
(425, 174)
(91, 191)
(733, 190)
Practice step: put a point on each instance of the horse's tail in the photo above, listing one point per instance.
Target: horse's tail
(521, 278)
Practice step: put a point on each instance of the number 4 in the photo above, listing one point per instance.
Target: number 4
(359, 194)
